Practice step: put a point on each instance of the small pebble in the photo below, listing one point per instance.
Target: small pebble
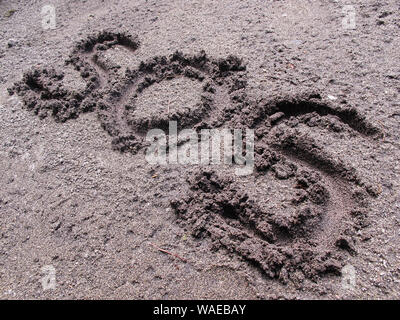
(12, 43)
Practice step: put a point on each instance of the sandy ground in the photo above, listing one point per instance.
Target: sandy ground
(73, 206)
